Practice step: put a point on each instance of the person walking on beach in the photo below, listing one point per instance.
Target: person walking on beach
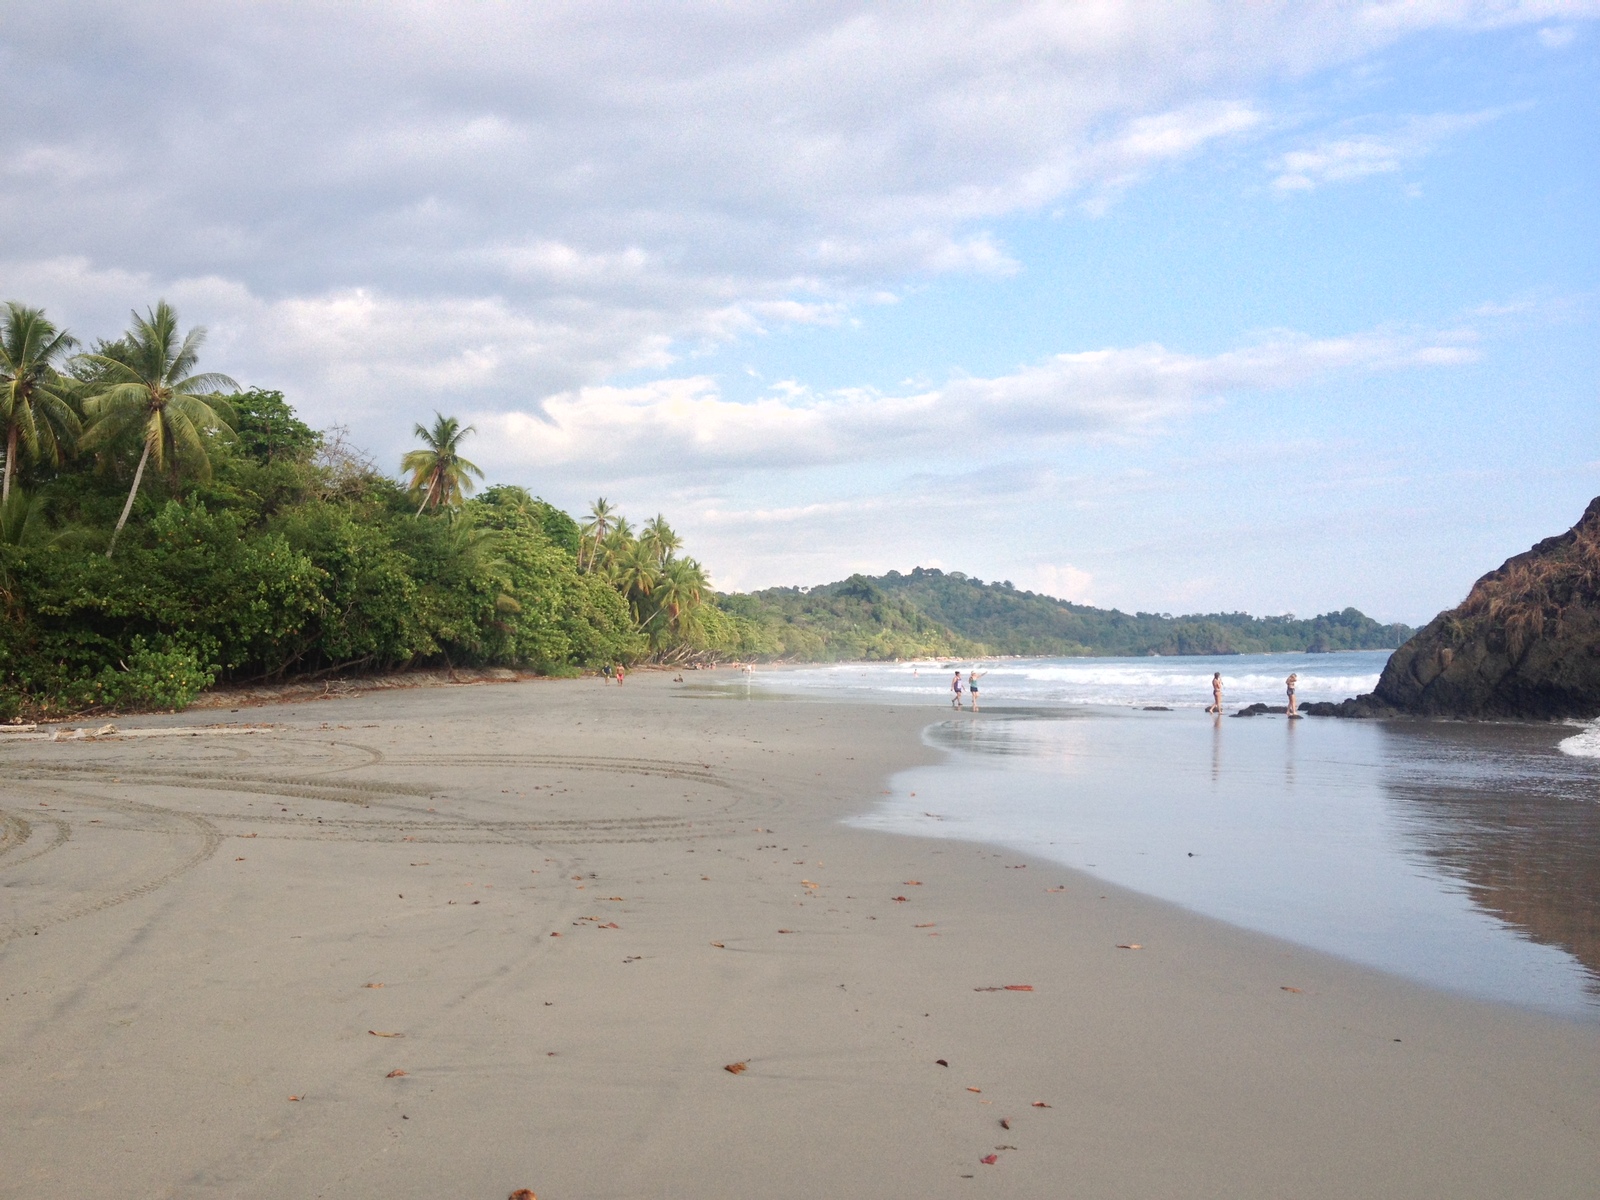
(955, 690)
(620, 674)
(1290, 682)
(972, 685)
(1216, 693)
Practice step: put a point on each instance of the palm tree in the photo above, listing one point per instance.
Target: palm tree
(660, 538)
(635, 574)
(148, 388)
(33, 404)
(437, 470)
(607, 553)
(594, 530)
(679, 590)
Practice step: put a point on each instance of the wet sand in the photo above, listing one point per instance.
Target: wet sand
(191, 925)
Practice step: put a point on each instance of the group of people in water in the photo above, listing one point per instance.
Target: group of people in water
(1216, 694)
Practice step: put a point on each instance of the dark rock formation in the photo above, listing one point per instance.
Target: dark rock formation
(1524, 643)
(1262, 710)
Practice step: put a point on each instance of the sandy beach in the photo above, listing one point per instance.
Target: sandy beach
(452, 942)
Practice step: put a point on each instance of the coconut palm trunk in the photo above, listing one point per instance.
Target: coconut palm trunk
(127, 508)
(11, 459)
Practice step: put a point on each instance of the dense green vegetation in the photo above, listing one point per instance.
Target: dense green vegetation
(162, 531)
(932, 612)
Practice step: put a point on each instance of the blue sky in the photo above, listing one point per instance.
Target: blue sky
(1173, 307)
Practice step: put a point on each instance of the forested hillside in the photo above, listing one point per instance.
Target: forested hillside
(953, 614)
(855, 619)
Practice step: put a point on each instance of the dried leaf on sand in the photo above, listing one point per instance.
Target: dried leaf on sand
(737, 1068)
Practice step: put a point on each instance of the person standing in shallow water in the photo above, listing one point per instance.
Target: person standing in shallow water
(1289, 683)
(955, 690)
(1216, 693)
(972, 685)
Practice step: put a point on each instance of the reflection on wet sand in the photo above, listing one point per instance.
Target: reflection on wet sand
(1516, 822)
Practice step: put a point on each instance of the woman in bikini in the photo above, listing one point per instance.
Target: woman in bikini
(972, 685)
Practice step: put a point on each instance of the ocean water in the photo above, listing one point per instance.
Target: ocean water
(1170, 682)
(1462, 855)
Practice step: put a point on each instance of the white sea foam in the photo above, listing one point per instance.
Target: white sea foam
(1125, 682)
(1585, 744)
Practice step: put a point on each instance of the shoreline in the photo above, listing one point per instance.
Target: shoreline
(206, 928)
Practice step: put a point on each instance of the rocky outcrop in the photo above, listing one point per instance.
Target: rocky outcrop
(1524, 643)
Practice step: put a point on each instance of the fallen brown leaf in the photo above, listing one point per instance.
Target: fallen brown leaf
(1005, 1122)
(940, 1062)
(989, 1160)
(898, 899)
(372, 985)
(607, 925)
(719, 945)
(395, 1074)
(613, 897)
(785, 931)
(555, 935)
(1129, 946)
(294, 1097)
(925, 925)
(1007, 987)
(1296, 991)
(737, 1068)
(1040, 1104)
(912, 883)
(1059, 889)
(377, 1033)
(977, 1090)
(238, 860)
(522, 1194)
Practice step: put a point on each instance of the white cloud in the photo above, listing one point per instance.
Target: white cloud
(614, 184)
(686, 426)
(1358, 156)
(1557, 37)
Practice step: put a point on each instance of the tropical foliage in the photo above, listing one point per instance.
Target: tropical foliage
(253, 547)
